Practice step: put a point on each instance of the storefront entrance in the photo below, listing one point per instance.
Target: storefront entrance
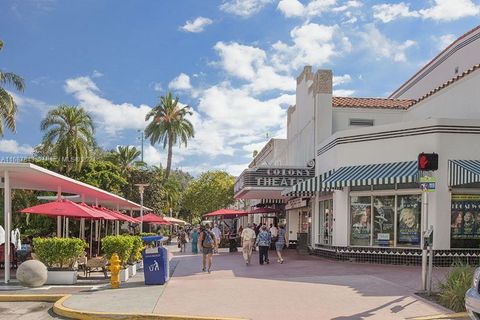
(325, 227)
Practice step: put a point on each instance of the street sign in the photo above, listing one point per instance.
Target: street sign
(427, 184)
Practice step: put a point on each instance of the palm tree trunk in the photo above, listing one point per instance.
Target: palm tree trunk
(169, 157)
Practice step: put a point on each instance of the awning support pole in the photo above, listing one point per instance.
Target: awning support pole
(59, 219)
(7, 220)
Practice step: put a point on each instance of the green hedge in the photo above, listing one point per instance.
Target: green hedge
(136, 254)
(58, 253)
(121, 245)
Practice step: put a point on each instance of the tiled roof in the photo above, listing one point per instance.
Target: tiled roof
(371, 103)
(401, 104)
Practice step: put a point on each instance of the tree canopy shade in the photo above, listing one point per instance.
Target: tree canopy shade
(69, 136)
(211, 191)
(169, 126)
(8, 107)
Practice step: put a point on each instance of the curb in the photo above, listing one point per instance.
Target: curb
(61, 310)
(458, 315)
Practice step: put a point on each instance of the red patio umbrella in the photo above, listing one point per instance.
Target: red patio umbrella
(99, 214)
(119, 215)
(154, 219)
(226, 213)
(62, 208)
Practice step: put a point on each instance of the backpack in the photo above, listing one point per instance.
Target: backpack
(207, 239)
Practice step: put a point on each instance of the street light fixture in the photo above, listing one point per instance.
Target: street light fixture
(141, 189)
(142, 138)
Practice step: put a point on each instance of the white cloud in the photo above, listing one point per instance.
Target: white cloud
(343, 92)
(157, 86)
(114, 118)
(348, 5)
(294, 8)
(232, 168)
(97, 74)
(313, 44)
(444, 41)
(24, 103)
(244, 8)
(383, 47)
(182, 82)
(12, 147)
(390, 12)
(339, 80)
(448, 10)
(198, 25)
(442, 10)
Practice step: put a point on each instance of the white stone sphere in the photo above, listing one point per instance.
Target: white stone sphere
(32, 273)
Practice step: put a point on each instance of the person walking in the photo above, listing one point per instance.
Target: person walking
(282, 240)
(248, 240)
(216, 231)
(263, 241)
(206, 242)
(194, 238)
(182, 240)
(274, 234)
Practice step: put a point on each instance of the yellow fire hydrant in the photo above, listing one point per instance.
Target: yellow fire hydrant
(115, 271)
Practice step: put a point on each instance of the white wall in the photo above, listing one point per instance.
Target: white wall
(342, 116)
(292, 224)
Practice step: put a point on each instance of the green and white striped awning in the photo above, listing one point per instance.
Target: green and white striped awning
(462, 172)
(373, 174)
(272, 201)
(308, 187)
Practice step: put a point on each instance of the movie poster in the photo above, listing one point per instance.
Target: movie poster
(409, 213)
(465, 221)
(383, 220)
(361, 215)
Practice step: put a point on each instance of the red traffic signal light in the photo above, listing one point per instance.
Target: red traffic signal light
(427, 161)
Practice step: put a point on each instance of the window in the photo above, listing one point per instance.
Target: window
(383, 220)
(326, 222)
(465, 221)
(361, 122)
(361, 217)
(408, 211)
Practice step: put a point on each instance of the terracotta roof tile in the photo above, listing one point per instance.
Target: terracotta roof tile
(370, 103)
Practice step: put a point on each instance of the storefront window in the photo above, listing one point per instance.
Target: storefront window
(326, 222)
(361, 217)
(465, 221)
(408, 211)
(383, 219)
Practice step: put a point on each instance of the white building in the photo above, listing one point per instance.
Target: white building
(365, 199)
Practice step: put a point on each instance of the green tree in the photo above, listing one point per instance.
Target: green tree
(169, 125)
(125, 157)
(69, 136)
(211, 191)
(8, 107)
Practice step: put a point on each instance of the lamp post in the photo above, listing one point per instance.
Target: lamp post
(141, 189)
(142, 138)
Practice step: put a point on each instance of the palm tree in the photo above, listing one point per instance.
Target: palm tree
(169, 125)
(8, 107)
(125, 157)
(69, 135)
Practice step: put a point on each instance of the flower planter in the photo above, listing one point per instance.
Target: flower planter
(62, 277)
(132, 270)
(140, 265)
(124, 275)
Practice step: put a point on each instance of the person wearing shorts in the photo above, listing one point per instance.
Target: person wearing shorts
(207, 242)
(281, 241)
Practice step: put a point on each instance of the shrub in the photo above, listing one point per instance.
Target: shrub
(121, 245)
(58, 253)
(457, 282)
(136, 254)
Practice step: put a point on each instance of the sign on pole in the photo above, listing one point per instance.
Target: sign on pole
(427, 184)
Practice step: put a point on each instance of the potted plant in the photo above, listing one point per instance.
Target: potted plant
(60, 257)
(122, 246)
(136, 255)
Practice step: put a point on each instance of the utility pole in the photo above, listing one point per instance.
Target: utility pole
(142, 138)
(141, 189)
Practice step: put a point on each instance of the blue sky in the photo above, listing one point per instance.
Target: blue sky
(234, 62)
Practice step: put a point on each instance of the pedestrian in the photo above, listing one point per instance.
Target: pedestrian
(274, 234)
(263, 241)
(216, 231)
(206, 242)
(254, 228)
(182, 239)
(232, 238)
(194, 238)
(248, 241)
(281, 241)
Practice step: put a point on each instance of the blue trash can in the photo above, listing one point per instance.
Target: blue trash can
(156, 268)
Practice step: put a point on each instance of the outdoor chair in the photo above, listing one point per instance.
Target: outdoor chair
(96, 264)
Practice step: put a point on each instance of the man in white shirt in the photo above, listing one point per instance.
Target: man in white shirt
(216, 231)
(248, 241)
(274, 233)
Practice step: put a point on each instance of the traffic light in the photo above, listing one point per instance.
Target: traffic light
(428, 161)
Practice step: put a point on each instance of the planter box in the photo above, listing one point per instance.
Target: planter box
(124, 275)
(61, 277)
(132, 270)
(140, 265)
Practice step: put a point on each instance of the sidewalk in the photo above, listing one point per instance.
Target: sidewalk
(304, 287)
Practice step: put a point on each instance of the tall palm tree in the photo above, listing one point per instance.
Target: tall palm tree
(8, 107)
(169, 125)
(69, 135)
(125, 157)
